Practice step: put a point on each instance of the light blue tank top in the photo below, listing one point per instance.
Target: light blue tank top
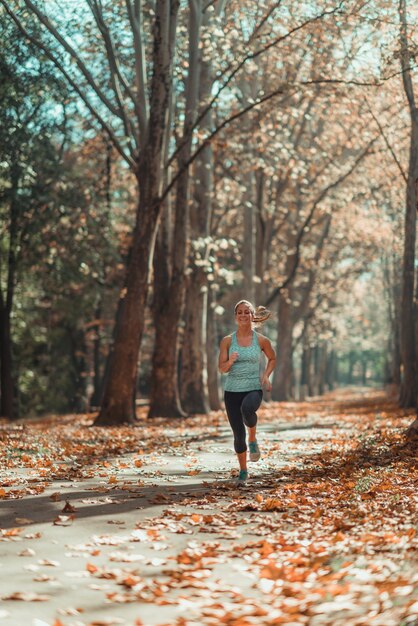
(244, 374)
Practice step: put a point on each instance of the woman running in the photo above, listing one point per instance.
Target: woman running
(239, 358)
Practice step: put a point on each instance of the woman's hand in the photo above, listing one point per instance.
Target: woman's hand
(265, 383)
(226, 360)
(232, 358)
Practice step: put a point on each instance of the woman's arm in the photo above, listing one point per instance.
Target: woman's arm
(225, 361)
(267, 348)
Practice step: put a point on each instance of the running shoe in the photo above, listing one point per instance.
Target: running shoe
(242, 478)
(254, 451)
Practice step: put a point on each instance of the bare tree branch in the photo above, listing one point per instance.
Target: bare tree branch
(135, 19)
(70, 50)
(309, 218)
(248, 57)
(116, 77)
(391, 150)
(406, 58)
(213, 134)
(126, 156)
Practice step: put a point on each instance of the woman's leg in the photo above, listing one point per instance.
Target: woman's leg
(233, 402)
(249, 406)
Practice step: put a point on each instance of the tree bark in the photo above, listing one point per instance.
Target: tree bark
(330, 372)
(194, 377)
(7, 380)
(97, 378)
(264, 222)
(6, 363)
(363, 370)
(164, 392)
(321, 369)
(393, 284)
(305, 374)
(282, 381)
(352, 360)
(194, 373)
(409, 387)
(164, 396)
(117, 405)
(412, 431)
(249, 245)
(212, 353)
(396, 356)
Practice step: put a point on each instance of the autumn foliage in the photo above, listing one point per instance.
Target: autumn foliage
(324, 533)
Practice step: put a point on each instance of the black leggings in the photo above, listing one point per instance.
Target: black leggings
(241, 409)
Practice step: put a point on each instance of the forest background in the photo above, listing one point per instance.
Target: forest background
(161, 160)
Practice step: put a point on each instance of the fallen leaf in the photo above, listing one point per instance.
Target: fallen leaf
(27, 552)
(68, 508)
(64, 520)
(26, 597)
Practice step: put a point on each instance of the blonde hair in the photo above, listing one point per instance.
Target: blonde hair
(261, 314)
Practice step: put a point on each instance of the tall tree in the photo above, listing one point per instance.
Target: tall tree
(409, 386)
(135, 116)
(30, 155)
(169, 295)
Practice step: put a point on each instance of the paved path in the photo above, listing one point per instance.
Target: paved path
(169, 542)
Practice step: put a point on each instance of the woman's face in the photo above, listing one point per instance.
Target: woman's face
(243, 314)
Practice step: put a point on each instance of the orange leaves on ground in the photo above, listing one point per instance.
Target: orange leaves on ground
(64, 520)
(27, 597)
(321, 527)
(11, 532)
(91, 568)
(271, 571)
(68, 508)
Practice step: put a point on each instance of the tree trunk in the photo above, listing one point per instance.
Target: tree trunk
(312, 373)
(395, 352)
(261, 242)
(164, 397)
(7, 409)
(97, 379)
(119, 389)
(412, 431)
(305, 374)
(321, 368)
(8, 390)
(249, 245)
(351, 363)
(212, 353)
(78, 350)
(364, 371)
(165, 400)
(409, 388)
(282, 381)
(330, 372)
(117, 405)
(164, 393)
(194, 371)
(315, 364)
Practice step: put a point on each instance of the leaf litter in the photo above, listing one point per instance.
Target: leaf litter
(324, 533)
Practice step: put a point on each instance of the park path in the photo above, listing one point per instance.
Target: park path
(143, 525)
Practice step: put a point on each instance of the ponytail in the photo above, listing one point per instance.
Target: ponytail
(261, 314)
